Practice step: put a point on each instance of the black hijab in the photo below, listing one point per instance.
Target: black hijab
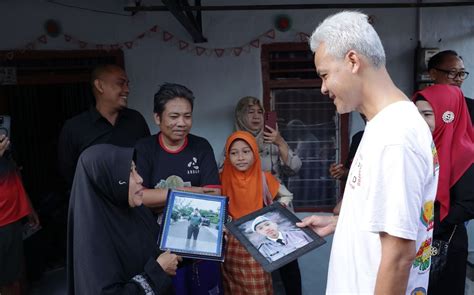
(109, 243)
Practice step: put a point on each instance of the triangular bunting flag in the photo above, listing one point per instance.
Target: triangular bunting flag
(167, 36)
(255, 43)
(270, 34)
(82, 44)
(200, 50)
(237, 51)
(10, 55)
(141, 36)
(114, 46)
(154, 29)
(303, 37)
(43, 39)
(183, 44)
(30, 46)
(100, 46)
(129, 44)
(67, 38)
(219, 52)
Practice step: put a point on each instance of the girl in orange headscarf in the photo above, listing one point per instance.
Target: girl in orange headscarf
(248, 190)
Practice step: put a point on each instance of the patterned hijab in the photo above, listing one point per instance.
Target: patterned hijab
(453, 137)
(241, 124)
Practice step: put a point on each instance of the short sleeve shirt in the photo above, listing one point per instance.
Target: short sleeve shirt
(194, 163)
(390, 188)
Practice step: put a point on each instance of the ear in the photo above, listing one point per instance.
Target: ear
(99, 86)
(433, 74)
(157, 119)
(354, 60)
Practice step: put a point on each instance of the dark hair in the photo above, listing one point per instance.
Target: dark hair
(170, 91)
(439, 57)
(101, 69)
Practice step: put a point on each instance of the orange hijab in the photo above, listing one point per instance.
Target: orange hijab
(245, 189)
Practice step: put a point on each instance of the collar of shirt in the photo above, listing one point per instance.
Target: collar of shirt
(280, 236)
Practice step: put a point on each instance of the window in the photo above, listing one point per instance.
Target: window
(307, 120)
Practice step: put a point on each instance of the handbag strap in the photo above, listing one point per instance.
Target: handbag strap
(452, 234)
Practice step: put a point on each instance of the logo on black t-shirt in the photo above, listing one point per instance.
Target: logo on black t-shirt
(193, 167)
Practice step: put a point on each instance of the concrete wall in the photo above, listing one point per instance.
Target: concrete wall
(219, 82)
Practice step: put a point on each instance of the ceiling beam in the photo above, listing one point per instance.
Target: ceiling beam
(184, 15)
(303, 6)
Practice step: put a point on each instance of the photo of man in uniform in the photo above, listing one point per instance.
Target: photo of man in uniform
(277, 243)
(195, 220)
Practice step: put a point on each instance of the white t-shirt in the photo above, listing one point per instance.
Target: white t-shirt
(391, 188)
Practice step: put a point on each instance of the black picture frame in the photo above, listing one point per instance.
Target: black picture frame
(178, 232)
(268, 253)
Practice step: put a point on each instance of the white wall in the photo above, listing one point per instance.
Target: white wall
(219, 82)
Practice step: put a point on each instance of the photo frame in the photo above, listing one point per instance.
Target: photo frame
(271, 236)
(193, 225)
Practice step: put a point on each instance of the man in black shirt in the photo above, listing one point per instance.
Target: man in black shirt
(110, 121)
(447, 67)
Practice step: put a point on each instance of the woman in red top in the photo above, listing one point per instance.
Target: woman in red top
(445, 110)
(14, 206)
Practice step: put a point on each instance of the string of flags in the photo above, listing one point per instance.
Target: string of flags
(164, 36)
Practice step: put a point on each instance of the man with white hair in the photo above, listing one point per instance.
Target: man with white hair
(382, 239)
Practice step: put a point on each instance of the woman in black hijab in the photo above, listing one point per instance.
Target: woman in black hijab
(111, 237)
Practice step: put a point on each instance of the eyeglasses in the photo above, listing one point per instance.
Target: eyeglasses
(453, 74)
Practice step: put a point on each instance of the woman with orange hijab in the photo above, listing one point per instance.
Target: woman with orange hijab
(248, 190)
(445, 110)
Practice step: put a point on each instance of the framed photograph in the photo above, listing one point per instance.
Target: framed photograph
(272, 237)
(193, 225)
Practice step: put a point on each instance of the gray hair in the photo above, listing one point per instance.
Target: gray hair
(348, 30)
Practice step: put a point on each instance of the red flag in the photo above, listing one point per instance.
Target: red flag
(129, 44)
(43, 39)
(200, 50)
(154, 29)
(255, 43)
(303, 37)
(67, 38)
(219, 52)
(82, 44)
(237, 51)
(270, 34)
(183, 44)
(167, 36)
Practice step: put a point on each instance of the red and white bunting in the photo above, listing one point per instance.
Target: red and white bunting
(43, 39)
(183, 44)
(237, 50)
(167, 36)
(255, 43)
(219, 52)
(200, 50)
(270, 34)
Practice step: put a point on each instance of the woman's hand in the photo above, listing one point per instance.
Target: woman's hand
(271, 135)
(169, 262)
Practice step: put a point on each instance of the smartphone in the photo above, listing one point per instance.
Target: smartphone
(270, 119)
